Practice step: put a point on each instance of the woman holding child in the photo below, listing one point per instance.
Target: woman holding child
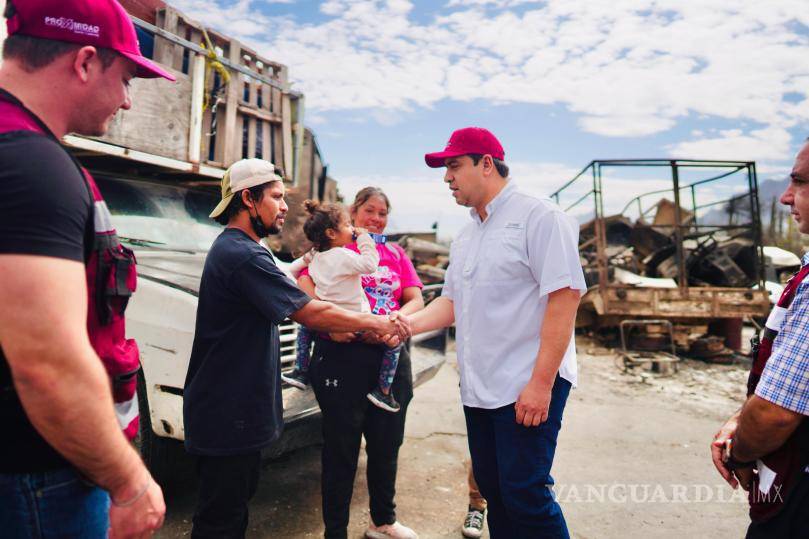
(347, 373)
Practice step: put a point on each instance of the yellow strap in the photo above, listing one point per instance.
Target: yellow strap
(212, 63)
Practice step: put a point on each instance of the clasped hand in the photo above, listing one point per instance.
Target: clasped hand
(395, 330)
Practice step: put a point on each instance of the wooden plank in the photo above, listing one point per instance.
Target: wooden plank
(266, 97)
(167, 19)
(283, 73)
(158, 122)
(266, 150)
(142, 9)
(260, 114)
(232, 138)
(255, 90)
(286, 130)
(298, 131)
(306, 177)
(251, 136)
(253, 84)
(701, 302)
(239, 138)
(179, 52)
(206, 137)
(278, 145)
(276, 101)
(142, 157)
(195, 123)
(195, 36)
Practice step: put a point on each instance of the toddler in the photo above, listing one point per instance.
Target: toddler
(336, 273)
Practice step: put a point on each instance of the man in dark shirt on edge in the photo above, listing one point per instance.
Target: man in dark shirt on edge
(67, 66)
(232, 404)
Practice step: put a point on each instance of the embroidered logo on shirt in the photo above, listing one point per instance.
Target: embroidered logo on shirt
(514, 225)
(331, 383)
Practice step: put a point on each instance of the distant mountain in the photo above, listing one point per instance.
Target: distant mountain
(767, 190)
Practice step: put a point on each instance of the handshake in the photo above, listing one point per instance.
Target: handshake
(392, 329)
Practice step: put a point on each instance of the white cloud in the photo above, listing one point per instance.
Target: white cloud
(768, 144)
(422, 198)
(625, 126)
(629, 68)
(492, 3)
(418, 200)
(625, 68)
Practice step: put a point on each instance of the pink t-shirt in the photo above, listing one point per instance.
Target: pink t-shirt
(384, 286)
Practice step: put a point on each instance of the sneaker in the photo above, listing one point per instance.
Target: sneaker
(296, 378)
(473, 524)
(390, 531)
(386, 402)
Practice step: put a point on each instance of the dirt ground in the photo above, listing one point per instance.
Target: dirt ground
(632, 461)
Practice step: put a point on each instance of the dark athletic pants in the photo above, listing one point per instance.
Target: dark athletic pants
(512, 466)
(226, 485)
(792, 521)
(341, 376)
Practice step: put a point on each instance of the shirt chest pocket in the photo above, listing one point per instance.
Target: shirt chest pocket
(504, 256)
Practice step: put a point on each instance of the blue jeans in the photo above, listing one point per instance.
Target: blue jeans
(58, 503)
(512, 466)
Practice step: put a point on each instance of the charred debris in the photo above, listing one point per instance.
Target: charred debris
(683, 263)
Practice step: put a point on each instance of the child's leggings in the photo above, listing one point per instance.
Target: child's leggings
(303, 346)
(390, 360)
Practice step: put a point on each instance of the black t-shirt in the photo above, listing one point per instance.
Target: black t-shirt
(232, 399)
(45, 209)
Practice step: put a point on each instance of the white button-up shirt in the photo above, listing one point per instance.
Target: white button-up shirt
(500, 274)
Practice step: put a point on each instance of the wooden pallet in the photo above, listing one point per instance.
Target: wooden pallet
(251, 117)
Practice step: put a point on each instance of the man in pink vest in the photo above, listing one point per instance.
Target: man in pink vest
(764, 447)
(67, 371)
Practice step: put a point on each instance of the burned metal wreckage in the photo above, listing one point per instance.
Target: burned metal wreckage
(684, 262)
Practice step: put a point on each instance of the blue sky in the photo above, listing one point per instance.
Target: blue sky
(560, 82)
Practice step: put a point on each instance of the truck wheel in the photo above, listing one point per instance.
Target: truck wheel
(157, 453)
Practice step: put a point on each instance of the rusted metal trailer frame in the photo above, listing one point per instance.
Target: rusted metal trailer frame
(613, 302)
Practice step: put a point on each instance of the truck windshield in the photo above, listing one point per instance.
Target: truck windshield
(157, 216)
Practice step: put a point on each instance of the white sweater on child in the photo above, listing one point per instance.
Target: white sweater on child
(336, 273)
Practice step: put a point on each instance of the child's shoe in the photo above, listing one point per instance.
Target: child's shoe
(296, 378)
(386, 402)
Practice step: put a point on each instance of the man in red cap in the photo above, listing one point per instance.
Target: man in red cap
(67, 372)
(512, 289)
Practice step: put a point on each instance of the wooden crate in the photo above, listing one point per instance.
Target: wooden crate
(249, 118)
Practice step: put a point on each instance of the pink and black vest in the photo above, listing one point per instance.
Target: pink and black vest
(779, 471)
(111, 280)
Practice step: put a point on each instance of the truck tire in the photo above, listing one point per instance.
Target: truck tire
(157, 453)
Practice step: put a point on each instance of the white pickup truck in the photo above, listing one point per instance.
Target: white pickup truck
(167, 226)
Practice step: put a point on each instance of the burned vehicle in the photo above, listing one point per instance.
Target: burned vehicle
(687, 251)
(167, 226)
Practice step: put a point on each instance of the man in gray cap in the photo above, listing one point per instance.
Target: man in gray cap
(232, 398)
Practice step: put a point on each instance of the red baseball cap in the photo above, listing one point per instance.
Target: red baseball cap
(100, 23)
(465, 141)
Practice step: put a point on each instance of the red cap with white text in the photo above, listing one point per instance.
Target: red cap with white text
(475, 140)
(100, 23)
